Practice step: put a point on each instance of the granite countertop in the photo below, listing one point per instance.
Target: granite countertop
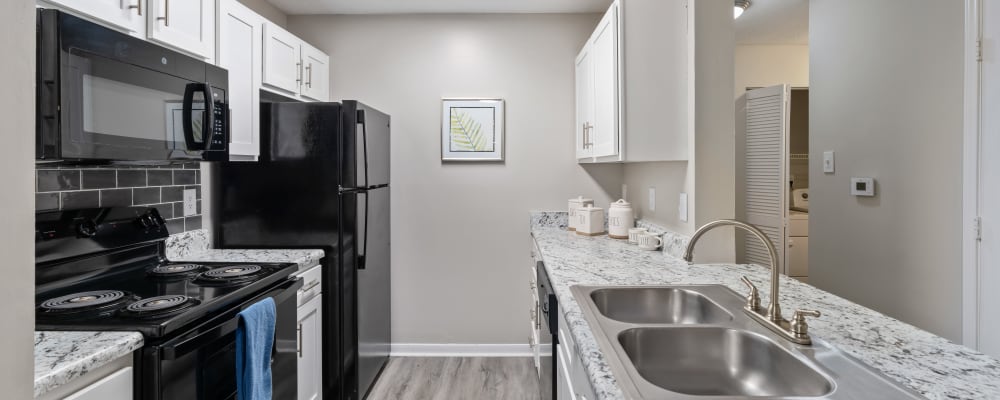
(62, 356)
(924, 362)
(193, 246)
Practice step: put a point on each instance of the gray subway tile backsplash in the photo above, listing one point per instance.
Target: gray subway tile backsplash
(58, 179)
(162, 187)
(98, 178)
(161, 177)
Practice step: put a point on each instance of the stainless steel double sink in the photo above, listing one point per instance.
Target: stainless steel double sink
(694, 341)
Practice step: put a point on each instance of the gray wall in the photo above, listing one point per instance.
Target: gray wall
(17, 288)
(709, 176)
(886, 95)
(267, 10)
(460, 231)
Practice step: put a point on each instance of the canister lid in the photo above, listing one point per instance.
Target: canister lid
(621, 203)
(581, 200)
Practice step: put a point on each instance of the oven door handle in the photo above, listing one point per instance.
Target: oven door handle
(172, 351)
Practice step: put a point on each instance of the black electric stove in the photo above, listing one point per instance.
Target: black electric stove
(105, 270)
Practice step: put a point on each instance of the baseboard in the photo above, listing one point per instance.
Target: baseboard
(460, 350)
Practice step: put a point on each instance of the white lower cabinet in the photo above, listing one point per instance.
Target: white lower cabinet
(310, 330)
(117, 386)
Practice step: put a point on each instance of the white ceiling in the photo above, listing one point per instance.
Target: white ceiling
(774, 22)
(438, 6)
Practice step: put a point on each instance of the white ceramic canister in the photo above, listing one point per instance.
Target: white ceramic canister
(633, 235)
(649, 241)
(621, 218)
(578, 202)
(590, 220)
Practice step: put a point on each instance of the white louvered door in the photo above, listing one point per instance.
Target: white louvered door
(765, 170)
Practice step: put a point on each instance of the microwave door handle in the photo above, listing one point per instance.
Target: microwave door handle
(208, 121)
(188, 115)
(173, 351)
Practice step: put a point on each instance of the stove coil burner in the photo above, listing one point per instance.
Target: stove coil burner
(159, 306)
(176, 270)
(235, 274)
(85, 304)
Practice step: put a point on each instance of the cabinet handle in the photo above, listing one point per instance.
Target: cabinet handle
(298, 345)
(166, 13)
(137, 6)
(298, 72)
(309, 80)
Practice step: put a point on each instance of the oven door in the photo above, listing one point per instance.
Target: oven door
(201, 364)
(104, 95)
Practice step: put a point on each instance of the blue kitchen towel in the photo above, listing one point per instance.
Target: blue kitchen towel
(254, 338)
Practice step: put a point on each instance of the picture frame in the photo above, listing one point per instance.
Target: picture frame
(472, 129)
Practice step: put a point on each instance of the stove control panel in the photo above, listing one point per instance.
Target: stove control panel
(61, 234)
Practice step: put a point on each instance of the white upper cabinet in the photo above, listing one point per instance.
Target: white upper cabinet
(128, 15)
(282, 60)
(604, 136)
(632, 87)
(188, 25)
(294, 68)
(584, 104)
(240, 47)
(316, 73)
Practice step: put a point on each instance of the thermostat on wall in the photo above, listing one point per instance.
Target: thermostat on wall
(863, 187)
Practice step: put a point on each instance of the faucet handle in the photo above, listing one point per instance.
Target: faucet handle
(799, 325)
(753, 298)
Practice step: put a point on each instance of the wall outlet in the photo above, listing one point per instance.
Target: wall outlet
(652, 198)
(828, 162)
(682, 207)
(190, 202)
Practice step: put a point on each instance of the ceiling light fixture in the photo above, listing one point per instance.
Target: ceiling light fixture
(740, 7)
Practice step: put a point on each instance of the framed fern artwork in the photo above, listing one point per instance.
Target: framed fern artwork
(472, 129)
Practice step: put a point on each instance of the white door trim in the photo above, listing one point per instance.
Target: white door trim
(970, 175)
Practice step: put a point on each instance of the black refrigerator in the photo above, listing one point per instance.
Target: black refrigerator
(322, 181)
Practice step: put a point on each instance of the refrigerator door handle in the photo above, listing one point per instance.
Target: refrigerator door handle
(364, 143)
(363, 247)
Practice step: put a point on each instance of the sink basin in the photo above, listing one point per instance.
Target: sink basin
(695, 342)
(658, 305)
(717, 361)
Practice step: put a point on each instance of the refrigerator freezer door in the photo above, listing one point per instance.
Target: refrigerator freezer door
(372, 140)
(374, 288)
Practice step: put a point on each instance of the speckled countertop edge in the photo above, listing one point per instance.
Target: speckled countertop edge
(926, 363)
(194, 246)
(62, 356)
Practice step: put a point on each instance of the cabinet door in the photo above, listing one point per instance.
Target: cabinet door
(282, 60)
(604, 55)
(310, 350)
(117, 386)
(240, 42)
(315, 74)
(129, 15)
(584, 104)
(564, 384)
(187, 25)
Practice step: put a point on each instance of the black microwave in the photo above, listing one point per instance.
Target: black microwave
(105, 96)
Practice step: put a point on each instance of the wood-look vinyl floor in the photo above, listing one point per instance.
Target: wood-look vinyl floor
(454, 378)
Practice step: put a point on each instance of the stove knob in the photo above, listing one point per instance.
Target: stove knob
(87, 228)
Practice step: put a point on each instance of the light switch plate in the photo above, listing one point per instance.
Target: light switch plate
(652, 198)
(682, 207)
(828, 163)
(190, 202)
